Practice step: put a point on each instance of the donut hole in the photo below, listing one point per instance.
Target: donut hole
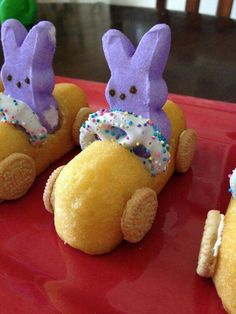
(141, 151)
(114, 132)
(96, 137)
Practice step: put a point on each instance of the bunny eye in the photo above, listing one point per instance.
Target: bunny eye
(133, 89)
(112, 92)
(9, 77)
(27, 80)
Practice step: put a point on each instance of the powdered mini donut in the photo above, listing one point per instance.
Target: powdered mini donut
(109, 191)
(217, 256)
(35, 116)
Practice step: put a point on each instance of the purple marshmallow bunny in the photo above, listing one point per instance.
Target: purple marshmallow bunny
(27, 73)
(136, 84)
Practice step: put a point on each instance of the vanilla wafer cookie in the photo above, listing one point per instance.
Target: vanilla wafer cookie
(17, 174)
(47, 194)
(207, 257)
(80, 118)
(139, 214)
(186, 149)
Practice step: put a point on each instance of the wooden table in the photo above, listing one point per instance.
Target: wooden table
(202, 61)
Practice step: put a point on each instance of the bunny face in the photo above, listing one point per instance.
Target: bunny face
(132, 91)
(27, 73)
(136, 84)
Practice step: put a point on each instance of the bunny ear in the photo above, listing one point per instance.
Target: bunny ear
(13, 34)
(153, 50)
(40, 44)
(117, 49)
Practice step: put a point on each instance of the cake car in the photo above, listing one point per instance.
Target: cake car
(109, 191)
(36, 116)
(217, 256)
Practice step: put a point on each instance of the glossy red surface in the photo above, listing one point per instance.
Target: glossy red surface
(39, 274)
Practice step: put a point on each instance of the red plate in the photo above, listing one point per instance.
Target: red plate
(39, 274)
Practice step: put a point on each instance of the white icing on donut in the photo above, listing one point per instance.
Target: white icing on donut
(51, 116)
(135, 133)
(232, 183)
(18, 113)
(219, 236)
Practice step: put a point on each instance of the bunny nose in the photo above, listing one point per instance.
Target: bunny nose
(122, 96)
(18, 84)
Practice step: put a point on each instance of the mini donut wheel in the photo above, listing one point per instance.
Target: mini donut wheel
(17, 174)
(185, 150)
(206, 259)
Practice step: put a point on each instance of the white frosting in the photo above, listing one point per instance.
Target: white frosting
(133, 132)
(18, 113)
(51, 116)
(219, 236)
(232, 183)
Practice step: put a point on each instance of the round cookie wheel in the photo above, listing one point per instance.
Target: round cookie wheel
(80, 118)
(139, 214)
(17, 174)
(206, 258)
(47, 194)
(185, 150)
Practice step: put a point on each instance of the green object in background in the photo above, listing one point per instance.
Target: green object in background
(21, 10)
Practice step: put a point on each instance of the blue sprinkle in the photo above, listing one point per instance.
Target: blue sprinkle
(155, 128)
